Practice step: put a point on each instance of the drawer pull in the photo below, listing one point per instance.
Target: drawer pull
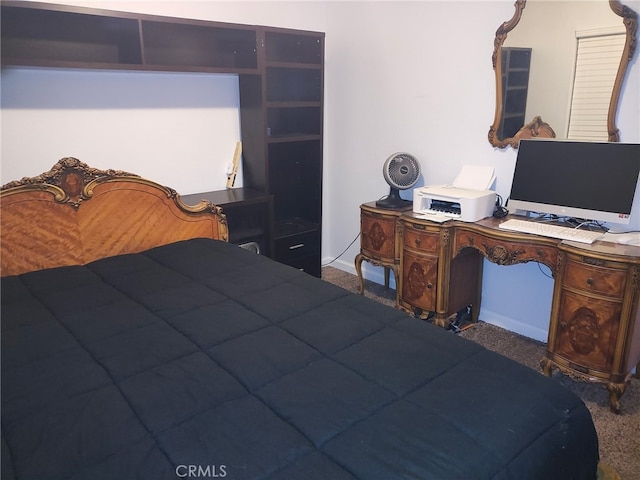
(295, 247)
(590, 281)
(429, 286)
(417, 241)
(418, 227)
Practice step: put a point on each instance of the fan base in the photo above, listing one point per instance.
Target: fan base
(393, 203)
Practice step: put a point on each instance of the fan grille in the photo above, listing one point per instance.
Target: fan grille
(402, 170)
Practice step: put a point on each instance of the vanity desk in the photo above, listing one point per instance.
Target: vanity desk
(594, 331)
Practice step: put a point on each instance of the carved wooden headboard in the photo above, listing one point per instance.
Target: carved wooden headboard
(74, 214)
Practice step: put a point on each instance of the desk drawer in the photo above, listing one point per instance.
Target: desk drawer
(378, 235)
(419, 237)
(601, 279)
(309, 264)
(296, 246)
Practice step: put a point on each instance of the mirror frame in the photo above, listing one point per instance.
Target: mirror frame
(537, 127)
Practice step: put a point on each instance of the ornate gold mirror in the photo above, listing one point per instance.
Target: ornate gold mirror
(540, 70)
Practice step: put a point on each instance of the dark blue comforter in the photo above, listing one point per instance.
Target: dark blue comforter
(200, 359)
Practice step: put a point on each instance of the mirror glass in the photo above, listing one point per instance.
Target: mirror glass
(535, 65)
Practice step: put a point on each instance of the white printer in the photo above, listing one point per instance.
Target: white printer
(447, 202)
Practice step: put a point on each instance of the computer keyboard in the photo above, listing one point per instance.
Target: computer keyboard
(551, 230)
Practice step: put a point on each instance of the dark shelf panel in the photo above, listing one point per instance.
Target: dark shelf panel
(293, 104)
(294, 121)
(63, 36)
(198, 45)
(295, 180)
(516, 101)
(294, 226)
(518, 58)
(33, 35)
(300, 137)
(293, 48)
(228, 197)
(293, 85)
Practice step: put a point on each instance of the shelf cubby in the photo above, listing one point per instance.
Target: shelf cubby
(181, 44)
(293, 121)
(293, 48)
(294, 84)
(49, 36)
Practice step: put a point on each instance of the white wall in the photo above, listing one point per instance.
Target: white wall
(177, 129)
(410, 76)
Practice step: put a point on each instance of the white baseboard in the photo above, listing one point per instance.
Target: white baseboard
(369, 272)
(376, 275)
(341, 264)
(508, 323)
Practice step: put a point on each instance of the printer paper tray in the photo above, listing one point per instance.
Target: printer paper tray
(434, 217)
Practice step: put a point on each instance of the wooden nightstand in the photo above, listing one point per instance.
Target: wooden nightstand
(248, 211)
(379, 240)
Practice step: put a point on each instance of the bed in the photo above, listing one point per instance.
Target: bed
(138, 343)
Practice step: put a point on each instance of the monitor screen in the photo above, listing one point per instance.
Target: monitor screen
(586, 180)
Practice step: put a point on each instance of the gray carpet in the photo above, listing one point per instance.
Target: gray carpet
(619, 435)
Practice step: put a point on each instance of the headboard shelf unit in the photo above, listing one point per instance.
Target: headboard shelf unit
(59, 36)
(280, 77)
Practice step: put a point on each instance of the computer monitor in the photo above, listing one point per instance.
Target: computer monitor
(586, 180)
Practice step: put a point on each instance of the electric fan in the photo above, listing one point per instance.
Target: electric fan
(401, 171)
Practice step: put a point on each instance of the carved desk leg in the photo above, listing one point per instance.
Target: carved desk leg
(387, 272)
(547, 366)
(441, 320)
(615, 392)
(359, 259)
